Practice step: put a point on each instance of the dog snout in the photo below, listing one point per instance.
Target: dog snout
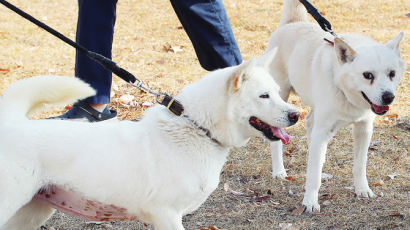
(293, 117)
(387, 98)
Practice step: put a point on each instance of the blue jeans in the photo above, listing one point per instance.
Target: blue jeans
(205, 22)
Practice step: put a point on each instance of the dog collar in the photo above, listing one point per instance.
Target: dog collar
(205, 130)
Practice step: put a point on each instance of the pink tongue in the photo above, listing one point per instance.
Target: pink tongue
(380, 109)
(280, 133)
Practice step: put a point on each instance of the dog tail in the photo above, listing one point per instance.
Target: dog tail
(35, 94)
(293, 11)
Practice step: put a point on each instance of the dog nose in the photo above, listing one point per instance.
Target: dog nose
(387, 98)
(293, 117)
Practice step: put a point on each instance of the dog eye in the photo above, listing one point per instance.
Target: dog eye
(265, 95)
(368, 76)
(392, 74)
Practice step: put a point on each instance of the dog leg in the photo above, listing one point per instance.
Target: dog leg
(167, 220)
(30, 216)
(18, 186)
(319, 139)
(362, 133)
(278, 170)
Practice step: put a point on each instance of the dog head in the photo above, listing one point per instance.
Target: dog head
(256, 103)
(369, 75)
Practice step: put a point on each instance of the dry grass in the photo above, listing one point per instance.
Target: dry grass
(145, 27)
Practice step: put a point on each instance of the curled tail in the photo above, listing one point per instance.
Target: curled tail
(293, 11)
(31, 95)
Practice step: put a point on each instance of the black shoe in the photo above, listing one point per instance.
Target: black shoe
(84, 112)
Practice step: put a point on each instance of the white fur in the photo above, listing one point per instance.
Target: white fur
(330, 80)
(158, 169)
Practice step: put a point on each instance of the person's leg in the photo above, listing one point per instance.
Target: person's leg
(95, 30)
(208, 27)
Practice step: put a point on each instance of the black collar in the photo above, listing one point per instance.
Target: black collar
(206, 131)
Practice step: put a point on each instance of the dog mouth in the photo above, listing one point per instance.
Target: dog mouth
(377, 109)
(271, 132)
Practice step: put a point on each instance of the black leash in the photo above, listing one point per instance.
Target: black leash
(323, 22)
(162, 98)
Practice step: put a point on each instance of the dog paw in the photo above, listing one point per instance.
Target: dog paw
(365, 192)
(280, 175)
(312, 205)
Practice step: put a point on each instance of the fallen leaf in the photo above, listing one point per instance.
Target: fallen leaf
(397, 215)
(4, 70)
(392, 115)
(213, 227)
(327, 196)
(408, 15)
(180, 27)
(392, 176)
(176, 49)
(298, 211)
(166, 47)
(260, 199)
(379, 183)
(68, 107)
(126, 99)
(290, 178)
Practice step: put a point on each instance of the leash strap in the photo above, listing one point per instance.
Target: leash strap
(173, 105)
(323, 23)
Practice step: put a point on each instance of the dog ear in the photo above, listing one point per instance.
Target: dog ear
(239, 76)
(268, 58)
(395, 43)
(344, 52)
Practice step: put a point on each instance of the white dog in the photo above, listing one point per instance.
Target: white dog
(155, 170)
(344, 80)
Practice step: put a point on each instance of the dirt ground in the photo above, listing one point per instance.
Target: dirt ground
(150, 43)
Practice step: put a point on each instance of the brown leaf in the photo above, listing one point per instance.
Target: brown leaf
(392, 115)
(299, 211)
(290, 178)
(213, 227)
(4, 70)
(166, 47)
(379, 183)
(397, 215)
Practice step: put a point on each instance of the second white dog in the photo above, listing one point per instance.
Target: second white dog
(347, 82)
